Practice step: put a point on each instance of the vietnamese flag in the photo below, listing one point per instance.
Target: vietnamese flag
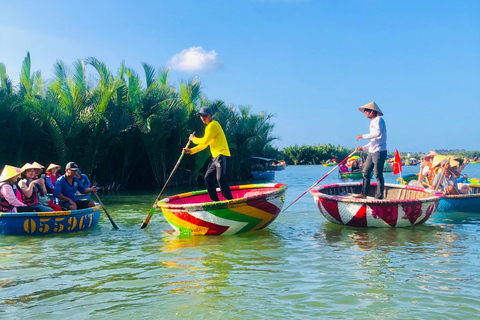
(397, 164)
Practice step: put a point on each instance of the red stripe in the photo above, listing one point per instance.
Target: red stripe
(212, 228)
(332, 209)
(263, 205)
(360, 218)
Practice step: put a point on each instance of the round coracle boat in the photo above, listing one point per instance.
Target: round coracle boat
(42, 223)
(355, 175)
(461, 202)
(254, 207)
(402, 206)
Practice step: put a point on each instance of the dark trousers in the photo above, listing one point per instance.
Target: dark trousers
(375, 161)
(217, 170)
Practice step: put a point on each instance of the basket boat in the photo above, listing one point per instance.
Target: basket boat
(402, 206)
(462, 202)
(254, 207)
(42, 223)
(353, 175)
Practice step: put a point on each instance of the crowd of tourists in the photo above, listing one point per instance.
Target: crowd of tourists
(32, 188)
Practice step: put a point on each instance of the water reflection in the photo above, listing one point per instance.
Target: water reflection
(205, 262)
(456, 217)
(416, 239)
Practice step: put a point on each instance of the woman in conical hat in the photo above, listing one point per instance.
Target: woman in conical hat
(10, 172)
(10, 195)
(38, 168)
(33, 187)
(51, 176)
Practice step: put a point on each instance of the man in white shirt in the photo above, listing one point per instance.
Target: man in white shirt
(377, 150)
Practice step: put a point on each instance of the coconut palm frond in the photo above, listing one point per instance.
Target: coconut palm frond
(163, 76)
(150, 74)
(106, 76)
(79, 76)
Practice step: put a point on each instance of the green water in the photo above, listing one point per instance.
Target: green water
(300, 267)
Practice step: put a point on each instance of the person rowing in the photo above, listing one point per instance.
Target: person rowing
(377, 150)
(215, 138)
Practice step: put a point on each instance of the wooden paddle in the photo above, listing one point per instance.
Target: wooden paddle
(106, 212)
(351, 154)
(155, 205)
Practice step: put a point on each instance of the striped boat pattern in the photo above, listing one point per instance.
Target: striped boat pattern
(254, 207)
(376, 215)
(394, 211)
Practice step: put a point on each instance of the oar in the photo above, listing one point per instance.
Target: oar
(106, 212)
(155, 205)
(351, 154)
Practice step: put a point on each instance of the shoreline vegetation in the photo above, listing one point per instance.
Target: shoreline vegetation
(126, 134)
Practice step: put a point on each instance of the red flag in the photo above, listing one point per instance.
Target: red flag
(397, 164)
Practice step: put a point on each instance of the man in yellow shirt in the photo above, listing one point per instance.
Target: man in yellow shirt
(215, 138)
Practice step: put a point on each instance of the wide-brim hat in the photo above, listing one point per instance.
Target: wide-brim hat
(441, 160)
(28, 166)
(430, 154)
(9, 172)
(53, 165)
(371, 106)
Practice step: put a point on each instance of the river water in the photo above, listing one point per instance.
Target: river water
(300, 267)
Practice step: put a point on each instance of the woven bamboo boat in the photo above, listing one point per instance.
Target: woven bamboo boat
(254, 207)
(402, 206)
(42, 223)
(462, 202)
(409, 177)
(353, 175)
(387, 169)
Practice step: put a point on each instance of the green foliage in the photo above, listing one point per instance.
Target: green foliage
(120, 133)
(315, 154)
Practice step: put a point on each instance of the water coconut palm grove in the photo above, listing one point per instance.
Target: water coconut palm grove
(125, 133)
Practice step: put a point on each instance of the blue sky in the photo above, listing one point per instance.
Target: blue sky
(312, 63)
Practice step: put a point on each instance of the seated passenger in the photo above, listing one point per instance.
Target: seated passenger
(343, 168)
(10, 194)
(38, 169)
(426, 168)
(355, 165)
(66, 187)
(52, 176)
(445, 180)
(32, 188)
(83, 179)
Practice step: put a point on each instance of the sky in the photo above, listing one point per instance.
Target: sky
(311, 63)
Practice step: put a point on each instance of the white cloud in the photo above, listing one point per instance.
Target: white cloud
(194, 59)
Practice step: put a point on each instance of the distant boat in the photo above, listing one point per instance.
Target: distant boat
(258, 168)
(353, 175)
(263, 175)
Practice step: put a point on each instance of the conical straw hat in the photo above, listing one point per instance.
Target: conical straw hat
(38, 165)
(27, 166)
(9, 172)
(439, 159)
(371, 106)
(53, 165)
(430, 154)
